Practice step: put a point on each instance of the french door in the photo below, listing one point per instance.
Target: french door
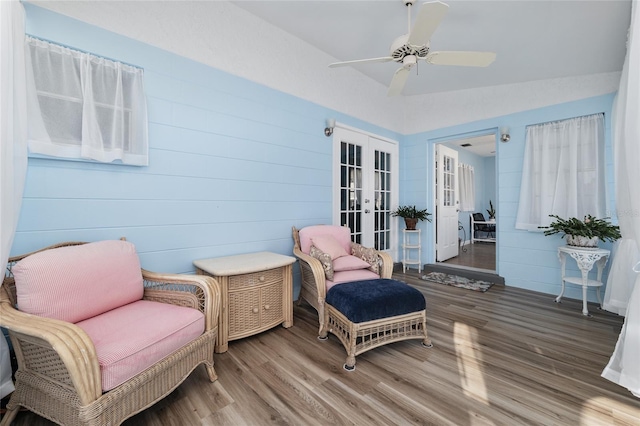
(447, 204)
(365, 187)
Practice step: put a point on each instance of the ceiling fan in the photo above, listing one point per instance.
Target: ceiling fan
(409, 48)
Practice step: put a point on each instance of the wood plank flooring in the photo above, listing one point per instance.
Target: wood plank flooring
(504, 357)
(479, 255)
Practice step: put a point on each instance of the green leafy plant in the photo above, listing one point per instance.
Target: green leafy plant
(589, 227)
(411, 212)
(491, 211)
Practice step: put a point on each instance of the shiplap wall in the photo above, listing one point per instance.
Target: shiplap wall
(233, 164)
(525, 259)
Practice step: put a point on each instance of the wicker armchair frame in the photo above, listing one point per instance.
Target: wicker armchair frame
(314, 283)
(58, 374)
(355, 337)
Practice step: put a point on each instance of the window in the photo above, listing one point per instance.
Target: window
(563, 171)
(84, 106)
(467, 189)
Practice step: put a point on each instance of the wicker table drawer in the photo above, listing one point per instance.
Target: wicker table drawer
(256, 293)
(237, 282)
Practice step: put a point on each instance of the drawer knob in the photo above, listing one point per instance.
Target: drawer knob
(261, 278)
(266, 307)
(255, 310)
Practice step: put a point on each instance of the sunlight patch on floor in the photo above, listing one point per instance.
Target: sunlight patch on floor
(608, 408)
(469, 362)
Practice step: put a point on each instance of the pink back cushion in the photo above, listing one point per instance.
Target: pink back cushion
(79, 282)
(328, 244)
(342, 234)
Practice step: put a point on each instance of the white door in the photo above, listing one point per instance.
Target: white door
(365, 187)
(446, 203)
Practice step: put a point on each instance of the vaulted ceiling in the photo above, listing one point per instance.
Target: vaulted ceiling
(533, 39)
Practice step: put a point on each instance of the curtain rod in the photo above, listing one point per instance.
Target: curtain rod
(565, 119)
(83, 51)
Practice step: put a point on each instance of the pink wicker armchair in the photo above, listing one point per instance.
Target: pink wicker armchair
(355, 298)
(314, 281)
(60, 375)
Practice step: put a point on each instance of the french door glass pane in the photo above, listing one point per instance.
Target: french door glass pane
(351, 188)
(448, 184)
(382, 193)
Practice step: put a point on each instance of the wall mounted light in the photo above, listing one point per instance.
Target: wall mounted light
(504, 134)
(331, 123)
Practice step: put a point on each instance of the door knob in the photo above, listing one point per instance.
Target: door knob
(367, 211)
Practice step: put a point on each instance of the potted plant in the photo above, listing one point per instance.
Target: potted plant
(585, 232)
(491, 211)
(411, 215)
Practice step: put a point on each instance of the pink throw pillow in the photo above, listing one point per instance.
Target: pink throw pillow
(328, 244)
(349, 263)
(325, 261)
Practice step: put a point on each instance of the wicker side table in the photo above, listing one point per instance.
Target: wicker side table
(256, 293)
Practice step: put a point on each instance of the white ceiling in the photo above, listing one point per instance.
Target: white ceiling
(484, 146)
(533, 39)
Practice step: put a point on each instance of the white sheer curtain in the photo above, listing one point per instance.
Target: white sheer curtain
(563, 172)
(84, 106)
(13, 144)
(467, 188)
(622, 286)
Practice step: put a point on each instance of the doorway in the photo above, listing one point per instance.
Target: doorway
(474, 155)
(366, 185)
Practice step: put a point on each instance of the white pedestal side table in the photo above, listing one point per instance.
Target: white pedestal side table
(585, 258)
(411, 242)
(256, 293)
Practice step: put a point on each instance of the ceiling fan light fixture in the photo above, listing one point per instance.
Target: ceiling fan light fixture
(409, 61)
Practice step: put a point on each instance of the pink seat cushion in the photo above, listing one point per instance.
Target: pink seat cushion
(133, 337)
(78, 282)
(341, 234)
(348, 276)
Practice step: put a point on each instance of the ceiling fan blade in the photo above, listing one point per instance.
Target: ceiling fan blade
(464, 59)
(428, 19)
(398, 81)
(360, 61)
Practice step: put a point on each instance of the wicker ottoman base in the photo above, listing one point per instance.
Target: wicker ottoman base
(359, 337)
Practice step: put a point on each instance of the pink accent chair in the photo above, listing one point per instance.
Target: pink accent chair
(314, 282)
(350, 287)
(97, 338)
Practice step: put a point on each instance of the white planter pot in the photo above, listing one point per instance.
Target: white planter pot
(578, 241)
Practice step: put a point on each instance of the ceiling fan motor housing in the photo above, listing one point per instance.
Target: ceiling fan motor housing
(399, 49)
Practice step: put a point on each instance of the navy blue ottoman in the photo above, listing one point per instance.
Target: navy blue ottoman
(367, 314)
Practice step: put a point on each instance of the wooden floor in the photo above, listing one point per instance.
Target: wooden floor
(504, 357)
(479, 255)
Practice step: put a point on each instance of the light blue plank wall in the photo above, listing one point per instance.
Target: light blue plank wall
(233, 164)
(489, 180)
(527, 260)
